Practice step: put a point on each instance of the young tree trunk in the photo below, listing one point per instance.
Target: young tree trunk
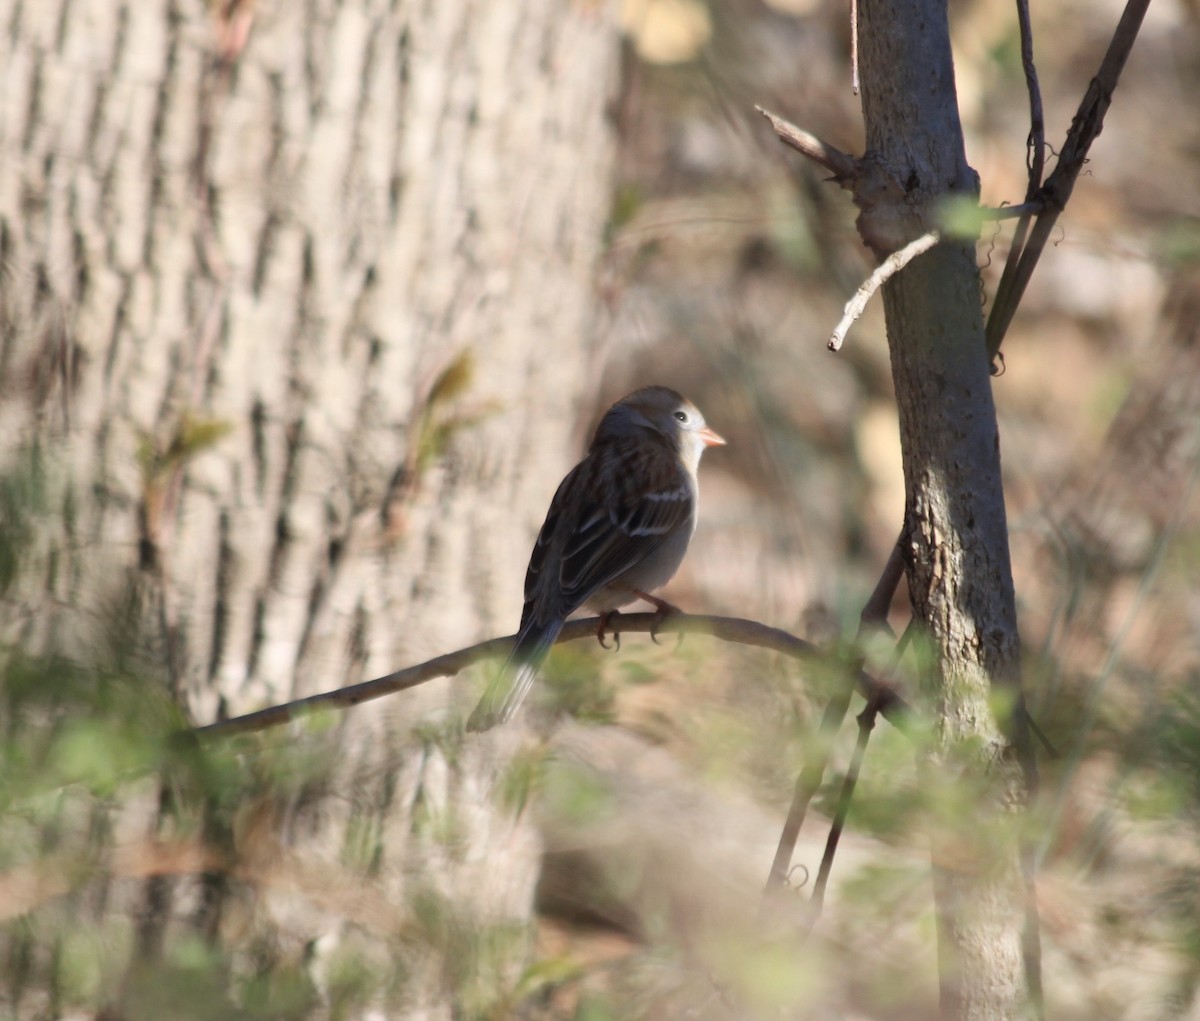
(956, 536)
(296, 300)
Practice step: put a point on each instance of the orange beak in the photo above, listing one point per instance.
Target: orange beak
(710, 438)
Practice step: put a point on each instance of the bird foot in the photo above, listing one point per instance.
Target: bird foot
(605, 625)
(662, 610)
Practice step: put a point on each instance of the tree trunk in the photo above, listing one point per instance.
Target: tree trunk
(296, 300)
(956, 534)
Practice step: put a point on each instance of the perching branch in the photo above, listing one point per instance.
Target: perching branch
(726, 629)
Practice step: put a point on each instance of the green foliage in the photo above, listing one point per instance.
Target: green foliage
(962, 218)
(285, 992)
(1179, 242)
(594, 1008)
(570, 683)
(84, 747)
(189, 983)
(769, 976)
(627, 202)
(574, 792)
(440, 419)
(352, 982)
(547, 972)
(1005, 52)
(1176, 754)
(67, 725)
(192, 437)
(790, 233)
(520, 779)
(477, 960)
(22, 500)
(1108, 397)
(888, 799)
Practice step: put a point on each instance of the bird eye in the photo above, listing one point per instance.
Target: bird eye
(681, 416)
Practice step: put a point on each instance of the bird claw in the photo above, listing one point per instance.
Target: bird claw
(662, 610)
(659, 618)
(654, 638)
(605, 619)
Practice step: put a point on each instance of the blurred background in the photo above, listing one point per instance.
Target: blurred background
(735, 258)
(306, 312)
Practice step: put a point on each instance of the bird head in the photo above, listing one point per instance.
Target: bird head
(665, 413)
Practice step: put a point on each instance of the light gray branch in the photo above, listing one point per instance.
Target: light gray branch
(887, 269)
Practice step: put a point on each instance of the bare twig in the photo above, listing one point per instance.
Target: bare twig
(866, 723)
(843, 166)
(874, 614)
(1046, 743)
(875, 611)
(854, 46)
(1030, 208)
(883, 273)
(1037, 124)
(1036, 145)
(807, 784)
(726, 629)
(1085, 128)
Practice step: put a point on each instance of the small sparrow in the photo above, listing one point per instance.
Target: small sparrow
(617, 529)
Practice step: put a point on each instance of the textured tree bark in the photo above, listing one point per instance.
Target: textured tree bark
(296, 298)
(959, 572)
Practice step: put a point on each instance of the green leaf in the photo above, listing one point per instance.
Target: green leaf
(961, 217)
(549, 971)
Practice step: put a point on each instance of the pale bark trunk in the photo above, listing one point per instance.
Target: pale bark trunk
(956, 539)
(293, 240)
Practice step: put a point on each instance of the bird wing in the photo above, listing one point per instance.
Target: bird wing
(613, 510)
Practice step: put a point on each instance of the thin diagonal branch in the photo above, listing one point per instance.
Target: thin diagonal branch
(874, 614)
(1085, 129)
(1037, 121)
(1036, 160)
(727, 629)
(807, 784)
(866, 723)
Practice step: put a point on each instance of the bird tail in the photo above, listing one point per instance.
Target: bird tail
(509, 687)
